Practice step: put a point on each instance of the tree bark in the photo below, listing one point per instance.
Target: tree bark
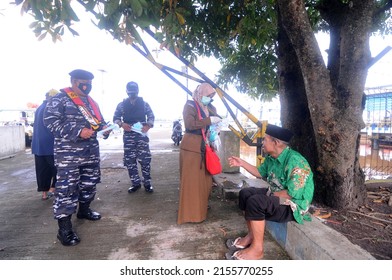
(333, 99)
(294, 113)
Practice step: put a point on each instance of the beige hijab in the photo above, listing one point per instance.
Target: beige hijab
(203, 89)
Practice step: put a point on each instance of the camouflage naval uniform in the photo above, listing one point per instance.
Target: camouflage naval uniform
(136, 145)
(77, 159)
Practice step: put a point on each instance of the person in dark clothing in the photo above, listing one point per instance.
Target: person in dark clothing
(42, 149)
(177, 132)
(135, 116)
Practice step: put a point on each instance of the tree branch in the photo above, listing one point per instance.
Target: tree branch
(374, 218)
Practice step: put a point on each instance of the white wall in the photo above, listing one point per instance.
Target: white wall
(12, 140)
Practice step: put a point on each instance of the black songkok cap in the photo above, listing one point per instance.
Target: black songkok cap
(279, 132)
(81, 74)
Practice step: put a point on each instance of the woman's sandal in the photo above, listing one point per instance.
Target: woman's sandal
(48, 195)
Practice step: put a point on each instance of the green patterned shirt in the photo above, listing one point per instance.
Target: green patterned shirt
(291, 172)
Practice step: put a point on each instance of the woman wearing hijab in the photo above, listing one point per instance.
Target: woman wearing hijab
(195, 181)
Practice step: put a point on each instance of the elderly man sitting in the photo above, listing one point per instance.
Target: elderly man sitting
(288, 197)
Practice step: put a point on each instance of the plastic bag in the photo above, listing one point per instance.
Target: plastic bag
(213, 135)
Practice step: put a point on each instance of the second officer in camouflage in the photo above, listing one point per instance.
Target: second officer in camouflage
(129, 113)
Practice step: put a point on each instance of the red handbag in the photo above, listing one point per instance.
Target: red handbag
(212, 161)
(213, 164)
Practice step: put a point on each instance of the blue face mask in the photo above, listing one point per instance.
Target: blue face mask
(205, 100)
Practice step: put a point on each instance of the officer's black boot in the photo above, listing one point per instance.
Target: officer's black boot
(66, 235)
(85, 212)
(134, 187)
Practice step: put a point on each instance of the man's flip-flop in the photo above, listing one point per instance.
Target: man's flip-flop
(231, 244)
(232, 256)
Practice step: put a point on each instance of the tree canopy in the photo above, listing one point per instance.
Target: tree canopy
(241, 34)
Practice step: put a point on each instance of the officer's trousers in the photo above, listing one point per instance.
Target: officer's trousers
(75, 184)
(137, 150)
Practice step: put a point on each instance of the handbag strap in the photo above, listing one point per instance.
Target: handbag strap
(198, 112)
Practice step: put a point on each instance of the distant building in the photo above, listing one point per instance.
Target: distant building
(377, 110)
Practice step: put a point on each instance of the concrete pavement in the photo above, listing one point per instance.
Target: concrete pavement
(142, 226)
(137, 226)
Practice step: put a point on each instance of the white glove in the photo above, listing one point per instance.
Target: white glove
(215, 120)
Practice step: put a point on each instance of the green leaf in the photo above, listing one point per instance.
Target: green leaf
(74, 32)
(69, 13)
(137, 8)
(180, 18)
(42, 36)
(33, 24)
(111, 7)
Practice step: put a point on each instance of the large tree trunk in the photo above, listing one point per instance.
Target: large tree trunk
(294, 111)
(333, 99)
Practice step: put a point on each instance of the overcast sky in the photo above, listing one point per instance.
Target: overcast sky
(29, 68)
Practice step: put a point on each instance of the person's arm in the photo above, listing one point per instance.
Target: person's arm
(299, 174)
(150, 118)
(103, 125)
(282, 194)
(117, 118)
(236, 161)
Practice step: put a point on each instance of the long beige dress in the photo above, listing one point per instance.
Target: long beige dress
(195, 180)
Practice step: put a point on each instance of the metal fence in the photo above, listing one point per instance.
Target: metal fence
(376, 137)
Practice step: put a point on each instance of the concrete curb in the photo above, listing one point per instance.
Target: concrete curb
(310, 241)
(315, 241)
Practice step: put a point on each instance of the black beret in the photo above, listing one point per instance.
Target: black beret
(279, 132)
(81, 74)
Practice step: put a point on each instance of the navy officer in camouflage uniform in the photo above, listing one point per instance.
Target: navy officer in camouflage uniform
(131, 111)
(74, 119)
